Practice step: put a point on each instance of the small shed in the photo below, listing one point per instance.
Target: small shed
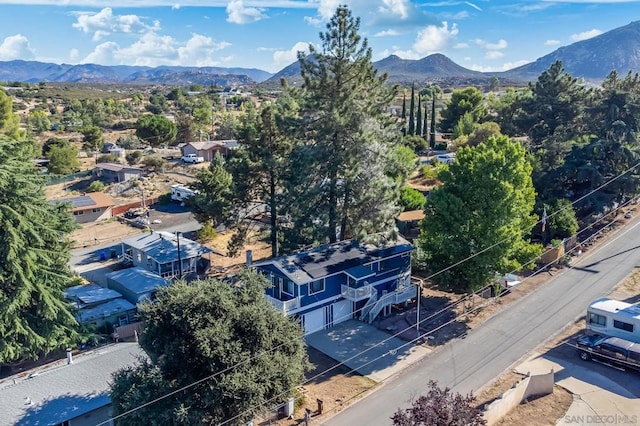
(103, 308)
(408, 223)
(136, 284)
(113, 172)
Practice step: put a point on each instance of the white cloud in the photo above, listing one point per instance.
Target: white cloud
(238, 13)
(74, 55)
(461, 46)
(551, 42)
(326, 8)
(175, 6)
(153, 49)
(501, 44)
(386, 33)
(434, 39)
(504, 67)
(381, 55)
(282, 58)
(105, 22)
(395, 7)
(586, 35)
(473, 6)
(16, 47)
(406, 54)
(461, 15)
(494, 54)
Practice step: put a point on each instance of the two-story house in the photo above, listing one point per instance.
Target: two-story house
(340, 281)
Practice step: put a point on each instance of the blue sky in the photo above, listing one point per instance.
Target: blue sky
(481, 35)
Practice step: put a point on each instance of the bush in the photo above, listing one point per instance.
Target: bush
(96, 186)
(165, 198)
(207, 232)
(107, 158)
(412, 199)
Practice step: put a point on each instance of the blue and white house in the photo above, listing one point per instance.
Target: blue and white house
(340, 281)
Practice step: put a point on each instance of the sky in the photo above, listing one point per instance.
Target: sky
(480, 35)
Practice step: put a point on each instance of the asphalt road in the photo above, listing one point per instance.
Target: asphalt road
(468, 364)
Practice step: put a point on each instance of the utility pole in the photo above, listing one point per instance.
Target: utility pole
(179, 256)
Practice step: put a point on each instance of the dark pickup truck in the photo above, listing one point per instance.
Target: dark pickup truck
(610, 350)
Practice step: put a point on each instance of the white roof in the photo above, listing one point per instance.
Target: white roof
(617, 306)
(59, 392)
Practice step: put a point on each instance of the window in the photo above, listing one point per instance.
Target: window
(623, 326)
(316, 287)
(96, 210)
(595, 319)
(286, 286)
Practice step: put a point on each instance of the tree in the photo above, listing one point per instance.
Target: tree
(156, 129)
(133, 157)
(9, 122)
(63, 159)
(185, 129)
(419, 118)
(213, 186)
(92, 138)
(154, 163)
(96, 186)
(412, 106)
(561, 221)
(244, 353)
(468, 100)
(403, 115)
(34, 255)
(412, 199)
(39, 121)
(261, 166)
(340, 184)
(440, 407)
(481, 214)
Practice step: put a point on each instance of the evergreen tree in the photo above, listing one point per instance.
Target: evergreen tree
(482, 214)
(212, 202)
(425, 124)
(432, 129)
(228, 340)
(412, 106)
(463, 101)
(404, 113)
(260, 167)
(34, 254)
(419, 118)
(9, 121)
(341, 184)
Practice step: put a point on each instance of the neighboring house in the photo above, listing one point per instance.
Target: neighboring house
(208, 149)
(158, 252)
(336, 282)
(69, 394)
(136, 284)
(112, 172)
(100, 307)
(90, 207)
(408, 223)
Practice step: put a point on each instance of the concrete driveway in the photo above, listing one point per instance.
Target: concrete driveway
(597, 399)
(367, 350)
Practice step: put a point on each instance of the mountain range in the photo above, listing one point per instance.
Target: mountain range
(592, 59)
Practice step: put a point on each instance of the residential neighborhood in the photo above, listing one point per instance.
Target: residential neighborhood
(339, 249)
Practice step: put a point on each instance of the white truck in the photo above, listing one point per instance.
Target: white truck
(192, 158)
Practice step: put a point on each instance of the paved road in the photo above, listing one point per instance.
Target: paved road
(469, 364)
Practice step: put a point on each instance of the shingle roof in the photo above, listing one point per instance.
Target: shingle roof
(138, 280)
(163, 246)
(60, 392)
(330, 259)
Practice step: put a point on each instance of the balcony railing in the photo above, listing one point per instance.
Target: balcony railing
(357, 294)
(284, 306)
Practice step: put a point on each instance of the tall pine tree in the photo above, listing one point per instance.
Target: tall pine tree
(34, 257)
(404, 114)
(419, 118)
(412, 105)
(341, 185)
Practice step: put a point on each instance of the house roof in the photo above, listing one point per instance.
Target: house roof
(59, 391)
(411, 215)
(330, 259)
(91, 294)
(104, 310)
(138, 280)
(163, 246)
(92, 200)
(114, 167)
(206, 145)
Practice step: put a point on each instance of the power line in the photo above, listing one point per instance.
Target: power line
(351, 314)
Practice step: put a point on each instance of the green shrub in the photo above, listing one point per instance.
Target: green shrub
(165, 198)
(96, 186)
(207, 232)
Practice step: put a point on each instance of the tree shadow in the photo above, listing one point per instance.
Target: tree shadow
(62, 408)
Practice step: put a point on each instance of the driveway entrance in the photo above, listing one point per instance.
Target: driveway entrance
(364, 348)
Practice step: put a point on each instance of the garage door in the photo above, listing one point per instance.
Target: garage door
(342, 311)
(313, 321)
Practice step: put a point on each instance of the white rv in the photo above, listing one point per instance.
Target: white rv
(608, 317)
(181, 192)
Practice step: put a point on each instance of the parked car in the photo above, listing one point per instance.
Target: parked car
(192, 158)
(610, 350)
